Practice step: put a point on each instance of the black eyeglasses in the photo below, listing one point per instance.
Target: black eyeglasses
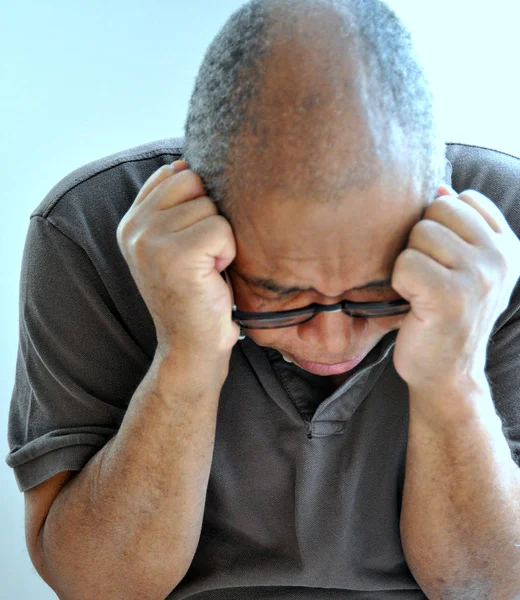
(288, 318)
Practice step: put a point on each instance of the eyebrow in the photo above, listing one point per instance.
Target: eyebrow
(277, 288)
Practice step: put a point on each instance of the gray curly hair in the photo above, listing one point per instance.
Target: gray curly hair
(362, 77)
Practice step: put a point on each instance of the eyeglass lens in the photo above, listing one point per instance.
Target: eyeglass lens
(275, 322)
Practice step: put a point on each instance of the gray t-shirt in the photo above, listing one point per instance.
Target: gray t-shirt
(306, 482)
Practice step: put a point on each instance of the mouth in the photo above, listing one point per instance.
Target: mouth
(324, 368)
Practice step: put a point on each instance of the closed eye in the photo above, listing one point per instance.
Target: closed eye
(374, 295)
(276, 296)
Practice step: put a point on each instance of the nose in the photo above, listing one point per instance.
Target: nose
(333, 332)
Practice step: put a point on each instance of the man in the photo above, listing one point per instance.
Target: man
(353, 453)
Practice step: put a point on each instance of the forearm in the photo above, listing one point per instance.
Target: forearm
(460, 519)
(128, 525)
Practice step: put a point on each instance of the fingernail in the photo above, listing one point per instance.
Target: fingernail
(448, 190)
(179, 165)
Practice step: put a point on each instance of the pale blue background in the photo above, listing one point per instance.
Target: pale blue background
(80, 80)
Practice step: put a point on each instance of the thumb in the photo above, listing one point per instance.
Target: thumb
(228, 281)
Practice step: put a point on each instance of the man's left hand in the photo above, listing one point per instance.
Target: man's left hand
(458, 272)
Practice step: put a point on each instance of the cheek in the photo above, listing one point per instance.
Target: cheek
(368, 332)
(269, 337)
(387, 324)
(284, 338)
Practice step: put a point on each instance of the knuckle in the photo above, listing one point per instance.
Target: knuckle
(211, 205)
(138, 246)
(485, 279)
(413, 237)
(425, 225)
(498, 262)
(403, 258)
(437, 208)
(502, 262)
(188, 213)
(123, 231)
(442, 201)
(206, 206)
(418, 231)
(222, 224)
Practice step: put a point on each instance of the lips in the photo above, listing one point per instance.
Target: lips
(326, 369)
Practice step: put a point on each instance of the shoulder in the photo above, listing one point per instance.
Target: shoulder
(491, 172)
(92, 199)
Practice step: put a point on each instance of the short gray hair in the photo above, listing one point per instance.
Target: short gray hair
(230, 79)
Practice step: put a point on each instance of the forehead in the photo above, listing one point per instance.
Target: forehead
(325, 246)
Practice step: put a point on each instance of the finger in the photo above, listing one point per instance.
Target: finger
(487, 208)
(462, 219)
(158, 177)
(417, 275)
(173, 190)
(442, 244)
(153, 181)
(180, 165)
(209, 238)
(445, 190)
(185, 214)
(230, 286)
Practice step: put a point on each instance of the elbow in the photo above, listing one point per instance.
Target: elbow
(36, 555)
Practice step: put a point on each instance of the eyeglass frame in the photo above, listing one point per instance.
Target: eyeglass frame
(315, 308)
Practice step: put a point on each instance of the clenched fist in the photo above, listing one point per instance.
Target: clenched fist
(176, 246)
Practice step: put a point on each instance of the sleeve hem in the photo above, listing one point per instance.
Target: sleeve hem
(71, 458)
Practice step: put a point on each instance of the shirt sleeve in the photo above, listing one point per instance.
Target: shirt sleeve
(77, 366)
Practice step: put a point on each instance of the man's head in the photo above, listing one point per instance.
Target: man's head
(311, 125)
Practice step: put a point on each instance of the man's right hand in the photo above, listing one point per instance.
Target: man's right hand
(176, 244)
